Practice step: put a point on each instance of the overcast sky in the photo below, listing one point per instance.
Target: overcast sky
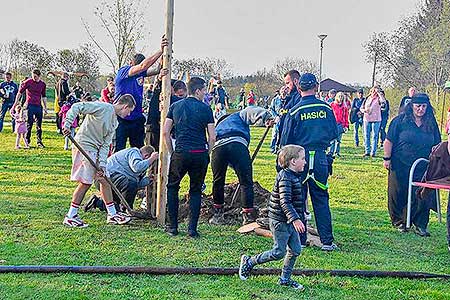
(249, 34)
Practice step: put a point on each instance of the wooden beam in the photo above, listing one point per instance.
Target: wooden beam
(163, 166)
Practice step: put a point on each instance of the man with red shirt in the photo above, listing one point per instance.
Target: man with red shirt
(36, 101)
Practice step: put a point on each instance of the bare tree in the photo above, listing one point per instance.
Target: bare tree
(25, 56)
(205, 67)
(291, 63)
(81, 60)
(123, 24)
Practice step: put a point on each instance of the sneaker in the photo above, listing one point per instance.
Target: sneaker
(118, 219)
(366, 155)
(75, 221)
(291, 283)
(193, 234)
(330, 247)
(245, 268)
(402, 228)
(17, 147)
(172, 231)
(423, 232)
(40, 145)
(217, 218)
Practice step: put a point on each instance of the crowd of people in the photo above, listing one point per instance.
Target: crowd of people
(306, 138)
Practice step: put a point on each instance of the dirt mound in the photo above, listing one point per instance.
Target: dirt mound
(232, 214)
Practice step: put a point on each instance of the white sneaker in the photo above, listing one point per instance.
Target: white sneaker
(118, 219)
(75, 221)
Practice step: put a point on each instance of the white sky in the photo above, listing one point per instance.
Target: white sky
(249, 34)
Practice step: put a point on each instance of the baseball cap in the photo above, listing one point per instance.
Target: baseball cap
(420, 98)
(307, 81)
(361, 91)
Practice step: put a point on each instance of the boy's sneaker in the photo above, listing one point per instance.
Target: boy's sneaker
(118, 219)
(40, 145)
(75, 221)
(291, 283)
(330, 247)
(245, 268)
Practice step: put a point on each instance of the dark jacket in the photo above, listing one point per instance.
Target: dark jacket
(311, 124)
(62, 90)
(286, 201)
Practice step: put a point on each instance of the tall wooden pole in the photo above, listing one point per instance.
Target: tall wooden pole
(166, 91)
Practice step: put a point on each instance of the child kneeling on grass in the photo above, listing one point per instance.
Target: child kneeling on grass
(95, 136)
(286, 217)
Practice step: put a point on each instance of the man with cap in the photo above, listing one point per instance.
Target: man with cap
(356, 116)
(231, 148)
(312, 125)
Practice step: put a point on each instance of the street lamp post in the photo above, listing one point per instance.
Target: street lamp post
(321, 37)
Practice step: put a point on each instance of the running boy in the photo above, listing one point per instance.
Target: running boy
(286, 217)
(95, 135)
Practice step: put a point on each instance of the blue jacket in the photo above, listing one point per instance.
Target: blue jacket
(311, 124)
(237, 124)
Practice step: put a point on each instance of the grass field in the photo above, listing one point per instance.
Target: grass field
(35, 194)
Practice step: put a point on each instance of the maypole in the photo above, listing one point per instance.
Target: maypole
(166, 92)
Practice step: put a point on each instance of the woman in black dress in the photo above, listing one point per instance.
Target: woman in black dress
(411, 135)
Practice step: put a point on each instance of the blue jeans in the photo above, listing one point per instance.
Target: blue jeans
(286, 243)
(356, 133)
(274, 142)
(335, 147)
(132, 130)
(371, 128)
(34, 113)
(5, 108)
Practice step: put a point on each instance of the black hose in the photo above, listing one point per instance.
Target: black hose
(212, 271)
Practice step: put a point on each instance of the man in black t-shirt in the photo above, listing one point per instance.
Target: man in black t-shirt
(190, 118)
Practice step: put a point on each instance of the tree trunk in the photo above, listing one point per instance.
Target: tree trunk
(374, 69)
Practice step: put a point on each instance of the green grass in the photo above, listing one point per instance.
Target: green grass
(36, 191)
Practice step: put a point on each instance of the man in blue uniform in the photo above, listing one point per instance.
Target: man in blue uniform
(311, 124)
(291, 79)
